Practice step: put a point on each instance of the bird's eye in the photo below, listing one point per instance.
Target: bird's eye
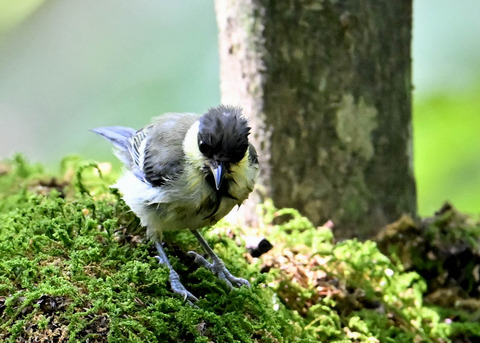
(204, 147)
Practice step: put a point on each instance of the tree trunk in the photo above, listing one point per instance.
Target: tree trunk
(327, 87)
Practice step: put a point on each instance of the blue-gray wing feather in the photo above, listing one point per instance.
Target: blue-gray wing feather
(121, 138)
(153, 154)
(118, 135)
(164, 158)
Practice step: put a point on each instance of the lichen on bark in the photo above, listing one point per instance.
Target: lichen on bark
(328, 88)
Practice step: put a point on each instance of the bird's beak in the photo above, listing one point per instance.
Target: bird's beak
(218, 171)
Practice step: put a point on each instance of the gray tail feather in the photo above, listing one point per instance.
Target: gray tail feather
(118, 135)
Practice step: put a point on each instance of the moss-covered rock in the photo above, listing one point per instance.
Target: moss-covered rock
(445, 250)
(75, 267)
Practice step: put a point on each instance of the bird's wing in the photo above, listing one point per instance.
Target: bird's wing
(120, 137)
(157, 149)
(136, 146)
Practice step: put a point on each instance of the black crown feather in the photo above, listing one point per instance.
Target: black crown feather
(223, 134)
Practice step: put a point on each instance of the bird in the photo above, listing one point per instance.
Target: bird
(186, 171)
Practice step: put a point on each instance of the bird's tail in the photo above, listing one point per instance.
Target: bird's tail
(120, 137)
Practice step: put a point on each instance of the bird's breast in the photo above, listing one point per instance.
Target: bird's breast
(194, 202)
(188, 201)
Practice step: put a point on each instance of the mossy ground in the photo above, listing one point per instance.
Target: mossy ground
(74, 267)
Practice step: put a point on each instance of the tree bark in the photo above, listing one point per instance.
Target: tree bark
(327, 87)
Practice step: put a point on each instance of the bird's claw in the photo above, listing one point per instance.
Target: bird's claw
(177, 286)
(219, 269)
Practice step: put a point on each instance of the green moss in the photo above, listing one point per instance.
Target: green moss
(63, 247)
(72, 268)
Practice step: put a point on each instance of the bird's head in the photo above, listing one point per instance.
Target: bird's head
(222, 139)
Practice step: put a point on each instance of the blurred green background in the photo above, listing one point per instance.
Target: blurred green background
(67, 66)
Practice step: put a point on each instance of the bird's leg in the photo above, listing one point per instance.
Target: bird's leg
(174, 279)
(217, 266)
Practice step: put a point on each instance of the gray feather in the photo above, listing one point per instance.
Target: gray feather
(135, 147)
(118, 135)
(121, 137)
(155, 153)
(163, 157)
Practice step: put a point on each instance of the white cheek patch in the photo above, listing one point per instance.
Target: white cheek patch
(190, 146)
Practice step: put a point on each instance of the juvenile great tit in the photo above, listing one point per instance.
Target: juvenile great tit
(186, 171)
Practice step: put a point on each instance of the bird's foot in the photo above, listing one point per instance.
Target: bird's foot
(218, 268)
(176, 285)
